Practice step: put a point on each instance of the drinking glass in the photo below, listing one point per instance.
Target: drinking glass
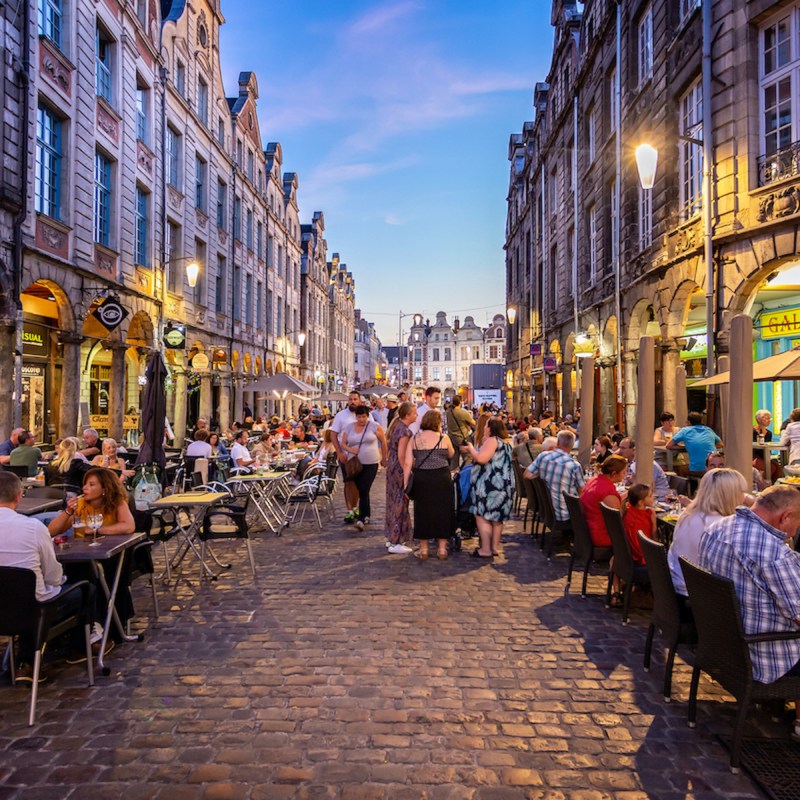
(79, 525)
(95, 522)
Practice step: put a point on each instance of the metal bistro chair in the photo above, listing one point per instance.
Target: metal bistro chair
(22, 613)
(582, 548)
(678, 484)
(674, 623)
(226, 522)
(623, 565)
(723, 650)
(305, 494)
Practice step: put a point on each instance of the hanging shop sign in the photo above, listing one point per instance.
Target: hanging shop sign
(35, 340)
(109, 313)
(536, 350)
(200, 362)
(175, 337)
(550, 364)
(777, 324)
(130, 422)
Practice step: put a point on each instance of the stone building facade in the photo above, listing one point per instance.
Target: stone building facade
(370, 363)
(572, 237)
(139, 166)
(341, 324)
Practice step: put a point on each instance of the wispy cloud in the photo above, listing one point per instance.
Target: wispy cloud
(382, 19)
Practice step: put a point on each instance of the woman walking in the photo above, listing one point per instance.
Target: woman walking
(492, 486)
(399, 531)
(428, 458)
(364, 438)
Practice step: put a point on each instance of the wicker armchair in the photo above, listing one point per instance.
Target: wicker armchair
(723, 650)
(582, 548)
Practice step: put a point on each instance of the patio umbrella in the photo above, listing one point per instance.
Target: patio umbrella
(154, 413)
(281, 384)
(585, 438)
(780, 367)
(724, 392)
(334, 397)
(739, 433)
(681, 402)
(645, 410)
(378, 391)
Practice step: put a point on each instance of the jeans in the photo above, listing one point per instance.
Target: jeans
(363, 482)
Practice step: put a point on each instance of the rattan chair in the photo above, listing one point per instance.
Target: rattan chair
(723, 650)
(673, 622)
(546, 513)
(582, 548)
(531, 506)
(520, 491)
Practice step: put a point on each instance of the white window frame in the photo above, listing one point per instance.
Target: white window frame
(173, 157)
(688, 6)
(592, 220)
(645, 45)
(645, 218)
(592, 134)
(612, 101)
(690, 160)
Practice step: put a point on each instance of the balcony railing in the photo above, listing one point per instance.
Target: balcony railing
(785, 163)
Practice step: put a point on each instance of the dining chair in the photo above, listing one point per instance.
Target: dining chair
(582, 550)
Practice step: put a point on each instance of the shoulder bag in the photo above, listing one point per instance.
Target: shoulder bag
(409, 490)
(353, 466)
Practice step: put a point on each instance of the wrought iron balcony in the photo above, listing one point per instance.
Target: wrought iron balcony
(783, 164)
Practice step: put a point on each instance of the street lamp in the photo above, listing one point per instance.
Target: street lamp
(192, 271)
(646, 163)
(511, 314)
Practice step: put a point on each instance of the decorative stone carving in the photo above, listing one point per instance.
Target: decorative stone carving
(175, 198)
(222, 236)
(52, 239)
(202, 219)
(687, 239)
(144, 280)
(53, 70)
(144, 158)
(200, 317)
(782, 203)
(107, 122)
(104, 262)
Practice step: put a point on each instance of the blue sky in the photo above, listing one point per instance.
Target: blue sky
(396, 117)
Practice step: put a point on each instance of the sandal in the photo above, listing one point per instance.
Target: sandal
(476, 554)
(422, 556)
(616, 600)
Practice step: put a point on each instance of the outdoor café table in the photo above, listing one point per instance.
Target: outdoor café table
(264, 490)
(28, 506)
(107, 548)
(668, 453)
(766, 449)
(196, 504)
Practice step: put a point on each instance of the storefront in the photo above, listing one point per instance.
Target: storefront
(778, 330)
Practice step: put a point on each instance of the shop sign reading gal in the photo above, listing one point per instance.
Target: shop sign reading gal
(109, 313)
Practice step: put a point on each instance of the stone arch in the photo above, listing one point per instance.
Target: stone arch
(258, 367)
(569, 349)
(268, 367)
(42, 290)
(235, 360)
(743, 295)
(608, 341)
(141, 331)
(637, 323)
(247, 363)
(278, 367)
(678, 307)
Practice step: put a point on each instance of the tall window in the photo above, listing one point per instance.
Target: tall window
(592, 134)
(279, 330)
(270, 251)
(259, 305)
(593, 245)
(221, 131)
(237, 292)
(280, 259)
(237, 218)
(259, 240)
(645, 218)
(200, 256)
(612, 100)
(614, 227)
(249, 228)
(687, 6)
(141, 112)
(102, 199)
(51, 14)
(180, 78)
(239, 153)
(202, 101)
(645, 45)
(269, 311)
(248, 299)
(219, 285)
(250, 166)
(48, 163)
(200, 183)
(102, 64)
(222, 205)
(172, 244)
(173, 156)
(140, 229)
(691, 154)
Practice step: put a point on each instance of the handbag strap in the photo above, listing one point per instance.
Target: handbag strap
(366, 427)
(428, 455)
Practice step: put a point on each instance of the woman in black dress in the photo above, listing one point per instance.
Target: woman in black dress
(434, 508)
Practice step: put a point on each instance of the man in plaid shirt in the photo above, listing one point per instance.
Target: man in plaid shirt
(561, 472)
(751, 548)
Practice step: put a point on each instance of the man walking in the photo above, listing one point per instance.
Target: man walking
(342, 420)
(432, 401)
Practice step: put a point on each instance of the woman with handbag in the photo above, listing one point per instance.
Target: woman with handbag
(399, 530)
(430, 487)
(364, 443)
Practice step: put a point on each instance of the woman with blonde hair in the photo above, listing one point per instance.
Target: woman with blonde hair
(720, 491)
(109, 459)
(68, 466)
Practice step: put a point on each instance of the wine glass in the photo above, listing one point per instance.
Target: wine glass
(95, 522)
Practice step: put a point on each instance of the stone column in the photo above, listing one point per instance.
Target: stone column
(205, 396)
(629, 361)
(238, 398)
(117, 393)
(179, 418)
(7, 340)
(69, 402)
(261, 404)
(224, 410)
(566, 389)
(670, 362)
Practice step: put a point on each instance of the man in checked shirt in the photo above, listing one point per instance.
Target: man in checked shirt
(753, 548)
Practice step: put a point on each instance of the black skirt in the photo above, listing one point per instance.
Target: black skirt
(434, 504)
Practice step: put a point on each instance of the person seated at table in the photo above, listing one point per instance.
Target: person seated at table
(661, 487)
(790, 437)
(25, 543)
(720, 491)
(602, 489)
(265, 446)
(240, 455)
(69, 465)
(602, 449)
(699, 440)
(312, 434)
(9, 444)
(639, 516)
(25, 454)
(319, 459)
(91, 443)
(259, 425)
(300, 436)
(110, 459)
(762, 434)
(200, 448)
(218, 447)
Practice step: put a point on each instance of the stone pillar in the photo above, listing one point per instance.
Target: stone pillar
(224, 410)
(7, 339)
(69, 402)
(249, 400)
(261, 404)
(238, 398)
(629, 361)
(117, 393)
(566, 389)
(179, 418)
(205, 397)
(670, 362)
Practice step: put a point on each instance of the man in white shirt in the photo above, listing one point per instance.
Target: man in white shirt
(433, 399)
(26, 543)
(341, 421)
(200, 448)
(240, 455)
(380, 413)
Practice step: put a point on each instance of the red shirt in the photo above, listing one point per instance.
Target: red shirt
(637, 519)
(597, 489)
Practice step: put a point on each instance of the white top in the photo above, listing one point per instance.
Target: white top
(25, 543)
(239, 451)
(422, 409)
(342, 420)
(686, 544)
(381, 416)
(199, 449)
(791, 437)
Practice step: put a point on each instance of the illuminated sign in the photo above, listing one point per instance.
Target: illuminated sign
(776, 324)
(35, 340)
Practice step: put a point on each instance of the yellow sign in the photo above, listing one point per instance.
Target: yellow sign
(776, 324)
(130, 422)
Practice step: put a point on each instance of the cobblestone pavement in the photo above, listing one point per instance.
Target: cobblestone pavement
(345, 672)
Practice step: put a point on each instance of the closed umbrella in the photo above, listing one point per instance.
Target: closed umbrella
(585, 437)
(739, 433)
(645, 410)
(154, 413)
(281, 384)
(724, 394)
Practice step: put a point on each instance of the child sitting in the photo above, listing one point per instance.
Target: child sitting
(639, 516)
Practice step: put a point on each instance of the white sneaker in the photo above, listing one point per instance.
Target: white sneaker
(97, 633)
(388, 543)
(366, 520)
(359, 525)
(400, 548)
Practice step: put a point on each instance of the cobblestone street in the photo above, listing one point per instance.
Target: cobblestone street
(345, 672)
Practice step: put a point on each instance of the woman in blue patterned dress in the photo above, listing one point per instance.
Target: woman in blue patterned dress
(492, 486)
(399, 530)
